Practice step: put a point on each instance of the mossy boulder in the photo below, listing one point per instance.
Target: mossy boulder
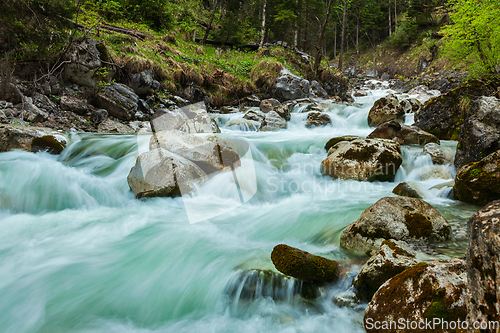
(316, 119)
(404, 134)
(423, 292)
(252, 284)
(479, 182)
(480, 134)
(333, 141)
(483, 264)
(400, 218)
(392, 258)
(407, 189)
(30, 138)
(384, 109)
(363, 160)
(304, 265)
(444, 115)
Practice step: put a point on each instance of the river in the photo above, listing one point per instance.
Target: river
(78, 253)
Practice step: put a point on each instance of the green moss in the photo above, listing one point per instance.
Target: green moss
(418, 225)
(437, 310)
(474, 172)
(103, 52)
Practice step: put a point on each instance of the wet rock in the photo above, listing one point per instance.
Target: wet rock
(99, 115)
(285, 109)
(255, 283)
(208, 156)
(438, 155)
(112, 126)
(384, 109)
(363, 159)
(304, 265)
(201, 123)
(250, 101)
(480, 133)
(254, 115)
(290, 87)
(141, 82)
(119, 100)
(228, 110)
(272, 122)
(360, 93)
(244, 124)
(74, 104)
(86, 56)
(267, 105)
(317, 90)
(316, 119)
(479, 182)
(443, 116)
(410, 105)
(406, 189)
(31, 139)
(333, 141)
(399, 218)
(160, 173)
(483, 266)
(424, 94)
(403, 134)
(392, 258)
(165, 119)
(424, 291)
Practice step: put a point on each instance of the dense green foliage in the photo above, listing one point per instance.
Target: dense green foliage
(475, 35)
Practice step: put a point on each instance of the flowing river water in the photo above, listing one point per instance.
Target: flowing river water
(78, 253)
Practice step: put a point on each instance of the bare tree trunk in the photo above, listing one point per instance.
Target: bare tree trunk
(317, 61)
(357, 34)
(395, 14)
(263, 27)
(210, 23)
(390, 23)
(342, 36)
(335, 43)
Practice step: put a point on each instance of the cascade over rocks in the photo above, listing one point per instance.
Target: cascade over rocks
(363, 159)
(403, 134)
(392, 258)
(285, 109)
(399, 218)
(483, 265)
(480, 133)
(30, 138)
(479, 182)
(304, 265)
(436, 289)
(384, 109)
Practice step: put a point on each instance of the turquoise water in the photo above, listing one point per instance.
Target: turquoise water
(79, 254)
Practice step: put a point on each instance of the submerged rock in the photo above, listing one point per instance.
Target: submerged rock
(406, 189)
(483, 265)
(392, 258)
(272, 122)
(480, 133)
(316, 119)
(384, 109)
(363, 159)
(304, 265)
(399, 218)
(424, 291)
(31, 139)
(333, 141)
(479, 182)
(403, 134)
(160, 173)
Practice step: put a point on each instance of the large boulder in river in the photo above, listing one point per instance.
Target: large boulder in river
(304, 265)
(423, 292)
(483, 265)
(444, 116)
(31, 139)
(267, 105)
(404, 134)
(407, 189)
(363, 159)
(207, 155)
(480, 134)
(423, 93)
(333, 141)
(399, 218)
(193, 118)
(254, 115)
(408, 106)
(391, 258)
(285, 109)
(384, 109)
(479, 182)
(289, 86)
(316, 119)
(160, 173)
(272, 122)
(119, 100)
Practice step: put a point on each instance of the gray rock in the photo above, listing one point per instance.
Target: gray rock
(267, 105)
(315, 119)
(438, 155)
(112, 126)
(483, 265)
(272, 122)
(142, 82)
(160, 173)
(30, 112)
(399, 218)
(74, 104)
(384, 109)
(99, 115)
(363, 160)
(285, 109)
(290, 87)
(31, 139)
(333, 141)
(254, 115)
(403, 134)
(317, 90)
(409, 105)
(407, 189)
(119, 100)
